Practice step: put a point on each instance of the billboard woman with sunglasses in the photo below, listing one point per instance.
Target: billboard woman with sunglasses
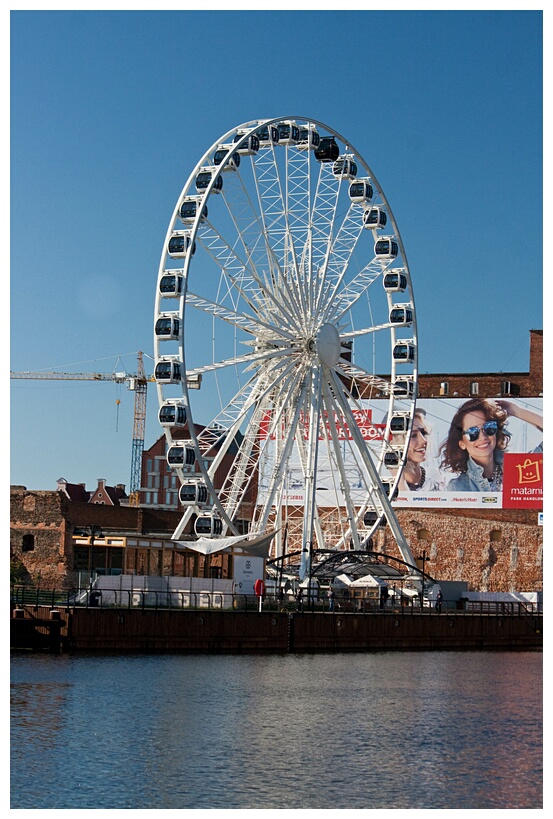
(477, 440)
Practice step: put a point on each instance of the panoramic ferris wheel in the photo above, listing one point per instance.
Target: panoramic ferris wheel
(285, 341)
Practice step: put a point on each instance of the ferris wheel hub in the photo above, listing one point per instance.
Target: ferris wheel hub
(328, 345)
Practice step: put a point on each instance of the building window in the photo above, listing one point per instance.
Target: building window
(444, 388)
(28, 543)
(495, 535)
(81, 558)
(149, 465)
(474, 388)
(508, 388)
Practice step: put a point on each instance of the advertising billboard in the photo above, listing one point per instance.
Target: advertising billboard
(475, 453)
(463, 453)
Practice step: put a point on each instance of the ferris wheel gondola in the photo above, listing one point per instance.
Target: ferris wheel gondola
(287, 310)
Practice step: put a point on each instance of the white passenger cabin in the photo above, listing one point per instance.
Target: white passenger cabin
(181, 453)
(167, 326)
(171, 284)
(172, 413)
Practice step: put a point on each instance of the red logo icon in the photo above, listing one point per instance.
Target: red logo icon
(523, 480)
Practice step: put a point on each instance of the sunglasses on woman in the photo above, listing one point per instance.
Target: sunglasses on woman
(489, 428)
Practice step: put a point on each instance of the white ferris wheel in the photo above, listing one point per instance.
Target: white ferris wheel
(284, 314)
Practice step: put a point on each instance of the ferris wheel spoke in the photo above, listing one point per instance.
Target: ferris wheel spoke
(251, 446)
(241, 474)
(228, 422)
(250, 324)
(364, 331)
(313, 406)
(354, 532)
(287, 443)
(218, 440)
(359, 375)
(275, 424)
(249, 360)
(305, 467)
(341, 252)
(243, 279)
(276, 229)
(254, 444)
(255, 240)
(334, 471)
(338, 302)
(323, 217)
(332, 411)
(298, 223)
(373, 473)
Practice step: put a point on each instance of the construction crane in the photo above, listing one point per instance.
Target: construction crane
(138, 383)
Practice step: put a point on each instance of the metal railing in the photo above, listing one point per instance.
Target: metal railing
(225, 601)
(93, 598)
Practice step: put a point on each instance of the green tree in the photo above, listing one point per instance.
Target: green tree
(18, 572)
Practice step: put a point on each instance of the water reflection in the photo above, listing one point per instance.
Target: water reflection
(383, 730)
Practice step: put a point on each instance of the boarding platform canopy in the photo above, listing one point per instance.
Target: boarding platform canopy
(258, 546)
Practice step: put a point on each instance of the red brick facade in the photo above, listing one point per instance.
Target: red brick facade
(160, 483)
(499, 553)
(42, 525)
(529, 384)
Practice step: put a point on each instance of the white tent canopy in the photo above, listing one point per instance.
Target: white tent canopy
(369, 580)
(361, 582)
(342, 580)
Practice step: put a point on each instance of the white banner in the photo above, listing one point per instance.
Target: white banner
(471, 453)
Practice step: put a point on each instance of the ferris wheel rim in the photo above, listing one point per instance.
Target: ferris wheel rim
(252, 127)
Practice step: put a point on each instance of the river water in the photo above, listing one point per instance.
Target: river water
(437, 730)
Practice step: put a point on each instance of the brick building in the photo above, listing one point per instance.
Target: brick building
(496, 550)
(56, 534)
(493, 552)
(55, 537)
(103, 494)
(529, 384)
(160, 484)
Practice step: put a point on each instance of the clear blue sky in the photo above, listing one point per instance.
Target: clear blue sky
(110, 111)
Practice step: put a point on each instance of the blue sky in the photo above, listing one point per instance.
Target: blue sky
(110, 111)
